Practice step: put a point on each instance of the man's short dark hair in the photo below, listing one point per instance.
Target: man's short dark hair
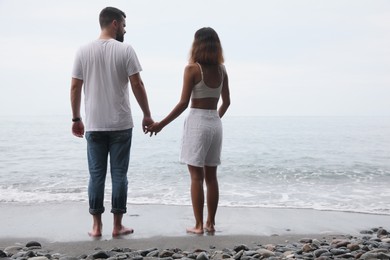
(109, 14)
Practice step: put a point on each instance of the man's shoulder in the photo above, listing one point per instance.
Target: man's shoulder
(99, 42)
(88, 45)
(121, 46)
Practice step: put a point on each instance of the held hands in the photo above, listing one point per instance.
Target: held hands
(153, 128)
(150, 127)
(146, 122)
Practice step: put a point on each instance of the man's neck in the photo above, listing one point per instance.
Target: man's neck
(105, 35)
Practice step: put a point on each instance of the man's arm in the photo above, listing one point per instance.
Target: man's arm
(140, 95)
(75, 100)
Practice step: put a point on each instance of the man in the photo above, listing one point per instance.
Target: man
(104, 67)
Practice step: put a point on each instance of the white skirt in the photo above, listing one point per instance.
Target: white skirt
(202, 138)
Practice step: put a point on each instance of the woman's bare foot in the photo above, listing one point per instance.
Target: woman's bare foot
(195, 230)
(95, 234)
(122, 231)
(209, 229)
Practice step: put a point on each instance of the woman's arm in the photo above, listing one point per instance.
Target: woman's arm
(188, 84)
(225, 96)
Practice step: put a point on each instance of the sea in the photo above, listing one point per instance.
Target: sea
(322, 163)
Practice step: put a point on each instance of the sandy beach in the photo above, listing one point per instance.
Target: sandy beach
(63, 227)
(71, 221)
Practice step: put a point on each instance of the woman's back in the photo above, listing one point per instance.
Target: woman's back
(207, 89)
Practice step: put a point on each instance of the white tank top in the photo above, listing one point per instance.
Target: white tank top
(201, 90)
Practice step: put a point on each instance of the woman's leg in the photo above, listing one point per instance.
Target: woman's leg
(197, 197)
(212, 196)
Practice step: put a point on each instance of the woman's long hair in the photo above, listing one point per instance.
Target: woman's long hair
(206, 48)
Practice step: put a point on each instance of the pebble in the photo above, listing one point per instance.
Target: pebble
(34, 244)
(372, 244)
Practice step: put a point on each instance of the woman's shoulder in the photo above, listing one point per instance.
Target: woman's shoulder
(192, 71)
(192, 68)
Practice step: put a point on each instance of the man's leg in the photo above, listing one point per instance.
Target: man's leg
(97, 226)
(120, 143)
(97, 149)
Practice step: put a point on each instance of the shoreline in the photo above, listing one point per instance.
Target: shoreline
(61, 230)
(70, 221)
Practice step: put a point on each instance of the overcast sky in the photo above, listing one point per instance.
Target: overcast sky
(284, 58)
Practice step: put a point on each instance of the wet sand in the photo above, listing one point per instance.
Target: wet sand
(70, 222)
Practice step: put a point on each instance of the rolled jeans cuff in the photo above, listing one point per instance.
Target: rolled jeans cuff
(118, 211)
(96, 211)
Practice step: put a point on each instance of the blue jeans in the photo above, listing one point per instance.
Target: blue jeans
(99, 145)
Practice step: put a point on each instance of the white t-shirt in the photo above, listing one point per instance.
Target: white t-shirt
(105, 67)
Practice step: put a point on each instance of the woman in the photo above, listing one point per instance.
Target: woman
(205, 81)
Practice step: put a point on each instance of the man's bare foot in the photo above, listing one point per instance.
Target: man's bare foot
(122, 231)
(96, 231)
(195, 230)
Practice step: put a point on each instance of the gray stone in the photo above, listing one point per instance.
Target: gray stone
(384, 245)
(384, 256)
(307, 248)
(177, 256)
(316, 242)
(306, 240)
(269, 247)
(19, 255)
(165, 253)
(241, 247)
(147, 251)
(202, 256)
(347, 255)
(38, 258)
(319, 252)
(382, 232)
(133, 254)
(371, 255)
(90, 257)
(342, 243)
(353, 247)
(250, 253)
(323, 258)
(367, 232)
(238, 255)
(29, 254)
(338, 251)
(373, 243)
(2, 254)
(153, 253)
(264, 253)
(379, 250)
(217, 255)
(100, 254)
(33, 244)
(119, 256)
(192, 256)
(11, 250)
